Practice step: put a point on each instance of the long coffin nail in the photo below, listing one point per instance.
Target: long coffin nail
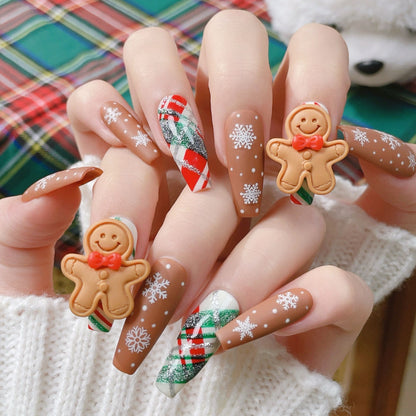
(381, 149)
(98, 320)
(244, 145)
(129, 131)
(58, 180)
(154, 307)
(196, 342)
(265, 318)
(184, 137)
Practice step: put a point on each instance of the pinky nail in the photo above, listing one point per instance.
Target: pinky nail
(265, 318)
(129, 131)
(59, 180)
(381, 149)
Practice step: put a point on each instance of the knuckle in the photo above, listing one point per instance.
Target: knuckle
(144, 37)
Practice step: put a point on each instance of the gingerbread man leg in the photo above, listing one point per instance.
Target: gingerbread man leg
(290, 178)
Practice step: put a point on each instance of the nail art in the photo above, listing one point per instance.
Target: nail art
(58, 180)
(98, 320)
(265, 318)
(244, 146)
(307, 154)
(184, 137)
(381, 149)
(154, 307)
(196, 342)
(129, 131)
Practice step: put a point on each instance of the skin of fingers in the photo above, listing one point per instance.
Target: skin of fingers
(271, 254)
(154, 71)
(196, 231)
(389, 199)
(92, 136)
(342, 303)
(234, 64)
(29, 231)
(315, 65)
(128, 187)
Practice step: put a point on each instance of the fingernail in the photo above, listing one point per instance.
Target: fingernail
(58, 180)
(154, 307)
(381, 149)
(184, 138)
(129, 131)
(244, 146)
(265, 318)
(98, 320)
(196, 342)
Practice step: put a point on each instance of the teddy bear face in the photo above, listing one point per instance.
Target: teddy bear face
(380, 34)
(308, 121)
(109, 237)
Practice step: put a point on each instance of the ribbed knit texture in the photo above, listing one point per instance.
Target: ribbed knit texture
(53, 365)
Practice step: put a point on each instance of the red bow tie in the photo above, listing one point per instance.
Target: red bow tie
(97, 260)
(300, 142)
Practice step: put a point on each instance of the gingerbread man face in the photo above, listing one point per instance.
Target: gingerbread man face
(306, 154)
(104, 273)
(109, 237)
(308, 121)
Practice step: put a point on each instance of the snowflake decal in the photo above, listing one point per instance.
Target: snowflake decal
(288, 300)
(360, 136)
(412, 161)
(243, 136)
(251, 193)
(155, 288)
(245, 328)
(111, 115)
(390, 140)
(41, 184)
(137, 339)
(141, 139)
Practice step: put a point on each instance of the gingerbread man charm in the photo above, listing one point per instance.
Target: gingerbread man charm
(104, 273)
(306, 154)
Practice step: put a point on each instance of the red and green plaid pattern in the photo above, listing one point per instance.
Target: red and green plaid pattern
(48, 48)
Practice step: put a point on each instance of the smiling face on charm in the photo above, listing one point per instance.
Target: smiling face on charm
(110, 236)
(308, 120)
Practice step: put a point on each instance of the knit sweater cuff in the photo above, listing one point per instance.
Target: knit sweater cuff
(50, 360)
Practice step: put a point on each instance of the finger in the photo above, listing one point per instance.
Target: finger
(234, 76)
(317, 316)
(315, 65)
(30, 226)
(270, 255)
(159, 86)
(388, 198)
(101, 118)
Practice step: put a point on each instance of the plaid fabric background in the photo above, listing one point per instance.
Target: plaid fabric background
(49, 48)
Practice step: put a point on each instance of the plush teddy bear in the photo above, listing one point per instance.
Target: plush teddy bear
(380, 34)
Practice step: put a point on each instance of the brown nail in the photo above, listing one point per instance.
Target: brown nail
(265, 318)
(58, 180)
(381, 149)
(244, 147)
(154, 307)
(129, 131)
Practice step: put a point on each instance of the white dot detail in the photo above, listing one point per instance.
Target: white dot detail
(144, 307)
(274, 310)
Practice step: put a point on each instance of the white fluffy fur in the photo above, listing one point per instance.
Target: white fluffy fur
(382, 30)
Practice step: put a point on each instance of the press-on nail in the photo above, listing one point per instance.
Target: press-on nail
(129, 131)
(244, 146)
(184, 138)
(196, 342)
(381, 149)
(58, 180)
(154, 307)
(267, 317)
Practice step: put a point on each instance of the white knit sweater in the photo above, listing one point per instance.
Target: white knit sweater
(51, 364)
